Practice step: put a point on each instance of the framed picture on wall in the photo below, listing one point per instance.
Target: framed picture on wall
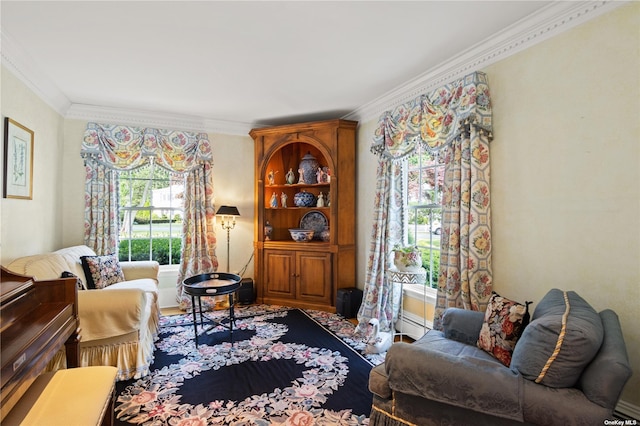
(18, 160)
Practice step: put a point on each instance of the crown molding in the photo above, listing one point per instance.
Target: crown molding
(627, 409)
(133, 117)
(557, 17)
(547, 22)
(16, 60)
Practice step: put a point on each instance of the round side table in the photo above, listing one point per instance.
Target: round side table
(212, 284)
(398, 279)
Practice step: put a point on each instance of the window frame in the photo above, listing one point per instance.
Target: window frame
(151, 209)
(429, 206)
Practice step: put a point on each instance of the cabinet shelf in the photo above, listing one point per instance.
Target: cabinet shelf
(295, 245)
(300, 185)
(297, 208)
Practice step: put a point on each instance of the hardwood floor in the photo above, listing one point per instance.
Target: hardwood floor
(171, 311)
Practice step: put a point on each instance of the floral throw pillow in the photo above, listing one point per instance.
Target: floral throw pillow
(504, 322)
(102, 271)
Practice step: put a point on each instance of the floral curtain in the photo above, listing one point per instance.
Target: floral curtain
(387, 231)
(443, 119)
(198, 237)
(101, 208)
(127, 148)
(109, 148)
(465, 279)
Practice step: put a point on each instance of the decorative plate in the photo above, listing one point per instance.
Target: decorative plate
(315, 220)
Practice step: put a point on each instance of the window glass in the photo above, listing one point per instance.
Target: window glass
(425, 176)
(151, 212)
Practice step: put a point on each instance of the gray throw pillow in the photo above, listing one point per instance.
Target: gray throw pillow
(563, 337)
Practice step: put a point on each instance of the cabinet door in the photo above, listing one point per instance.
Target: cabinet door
(313, 273)
(279, 274)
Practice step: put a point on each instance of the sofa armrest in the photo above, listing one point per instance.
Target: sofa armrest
(378, 382)
(604, 378)
(111, 313)
(462, 325)
(138, 269)
(477, 384)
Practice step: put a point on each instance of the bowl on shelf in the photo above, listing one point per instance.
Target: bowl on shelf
(301, 235)
(304, 199)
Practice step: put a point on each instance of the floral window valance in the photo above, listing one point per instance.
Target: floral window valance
(434, 119)
(126, 148)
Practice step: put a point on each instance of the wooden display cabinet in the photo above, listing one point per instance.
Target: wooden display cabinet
(309, 274)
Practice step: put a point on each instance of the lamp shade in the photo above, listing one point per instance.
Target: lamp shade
(228, 211)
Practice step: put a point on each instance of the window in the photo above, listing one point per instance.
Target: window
(425, 177)
(150, 209)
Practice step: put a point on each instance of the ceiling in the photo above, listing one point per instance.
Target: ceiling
(264, 62)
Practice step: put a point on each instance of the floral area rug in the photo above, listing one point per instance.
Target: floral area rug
(284, 366)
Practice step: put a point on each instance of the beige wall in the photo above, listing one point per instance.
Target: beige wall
(73, 178)
(33, 226)
(565, 172)
(234, 185)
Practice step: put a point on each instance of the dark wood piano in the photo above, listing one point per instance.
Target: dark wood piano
(36, 319)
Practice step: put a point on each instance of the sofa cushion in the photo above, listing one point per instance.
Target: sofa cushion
(148, 285)
(102, 271)
(462, 325)
(72, 257)
(563, 337)
(454, 373)
(40, 266)
(504, 321)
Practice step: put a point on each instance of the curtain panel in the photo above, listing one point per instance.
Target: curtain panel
(101, 224)
(198, 236)
(387, 230)
(465, 279)
(110, 148)
(455, 117)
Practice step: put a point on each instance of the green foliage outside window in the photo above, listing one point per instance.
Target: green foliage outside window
(160, 252)
(431, 262)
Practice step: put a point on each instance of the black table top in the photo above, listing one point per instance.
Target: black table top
(212, 284)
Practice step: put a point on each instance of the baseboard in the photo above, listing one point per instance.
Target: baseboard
(413, 325)
(628, 410)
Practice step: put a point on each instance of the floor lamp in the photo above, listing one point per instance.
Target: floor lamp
(228, 222)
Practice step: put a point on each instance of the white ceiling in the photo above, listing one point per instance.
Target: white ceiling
(264, 62)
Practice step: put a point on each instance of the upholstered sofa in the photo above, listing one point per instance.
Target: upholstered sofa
(576, 355)
(118, 323)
